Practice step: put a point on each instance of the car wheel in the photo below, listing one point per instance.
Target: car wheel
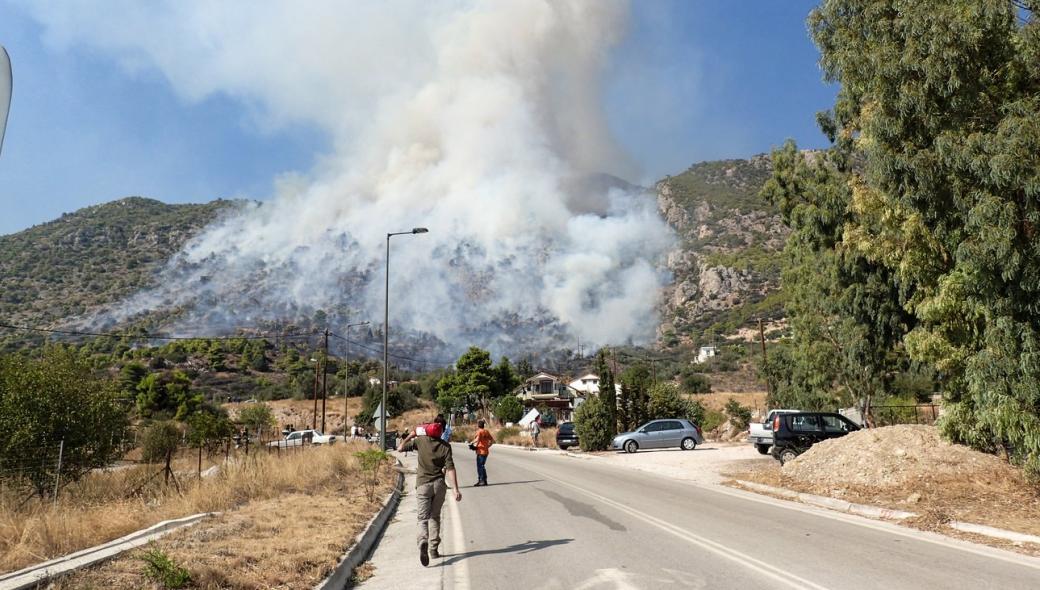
(763, 449)
(787, 455)
(564, 447)
(631, 446)
(688, 444)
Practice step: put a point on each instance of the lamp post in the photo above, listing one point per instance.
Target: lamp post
(346, 372)
(386, 331)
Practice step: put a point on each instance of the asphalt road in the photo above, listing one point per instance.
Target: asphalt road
(552, 522)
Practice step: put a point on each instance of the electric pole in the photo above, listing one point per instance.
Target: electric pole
(324, 376)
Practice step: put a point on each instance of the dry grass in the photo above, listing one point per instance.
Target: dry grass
(716, 400)
(97, 509)
(300, 413)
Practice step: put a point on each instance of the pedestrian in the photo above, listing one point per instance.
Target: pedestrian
(446, 437)
(482, 443)
(536, 428)
(435, 464)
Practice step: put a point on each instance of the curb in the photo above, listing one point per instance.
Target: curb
(832, 503)
(366, 539)
(981, 529)
(35, 575)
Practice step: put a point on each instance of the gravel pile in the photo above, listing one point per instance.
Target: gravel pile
(894, 457)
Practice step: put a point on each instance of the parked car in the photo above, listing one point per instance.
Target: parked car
(793, 434)
(660, 434)
(760, 434)
(303, 437)
(566, 436)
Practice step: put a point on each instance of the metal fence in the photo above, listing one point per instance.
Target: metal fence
(891, 414)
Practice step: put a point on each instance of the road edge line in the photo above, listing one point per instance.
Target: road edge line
(458, 537)
(365, 541)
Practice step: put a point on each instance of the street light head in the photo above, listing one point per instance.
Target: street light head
(420, 230)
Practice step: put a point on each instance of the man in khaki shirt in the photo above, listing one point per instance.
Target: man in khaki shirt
(435, 463)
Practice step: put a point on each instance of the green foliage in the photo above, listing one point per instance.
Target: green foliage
(55, 398)
(164, 571)
(666, 402)
(130, 376)
(508, 432)
(939, 159)
(398, 401)
(208, 429)
(607, 391)
(692, 381)
(712, 420)
(370, 460)
(633, 407)
(160, 441)
(739, 416)
(257, 418)
(592, 423)
(472, 384)
(167, 395)
(524, 370)
(509, 409)
(505, 379)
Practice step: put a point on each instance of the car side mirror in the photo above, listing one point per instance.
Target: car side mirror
(642, 431)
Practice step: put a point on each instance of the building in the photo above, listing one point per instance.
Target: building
(552, 392)
(586, 385)
(705, 353)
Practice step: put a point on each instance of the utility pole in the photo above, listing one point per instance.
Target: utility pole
(324, 376)
(762, 339)
(314, 420)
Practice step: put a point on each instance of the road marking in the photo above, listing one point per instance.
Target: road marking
(763, 568)
(458, 541)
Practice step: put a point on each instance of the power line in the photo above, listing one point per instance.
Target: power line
(151, 336)
(438, 362)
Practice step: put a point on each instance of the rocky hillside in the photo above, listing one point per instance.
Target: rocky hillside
(726, 267)
(94, 256)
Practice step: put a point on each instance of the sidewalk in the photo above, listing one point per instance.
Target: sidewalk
(396, 558)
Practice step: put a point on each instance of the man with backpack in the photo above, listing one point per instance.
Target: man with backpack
(435, 464)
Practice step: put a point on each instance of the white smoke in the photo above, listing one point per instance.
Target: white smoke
(479, 120)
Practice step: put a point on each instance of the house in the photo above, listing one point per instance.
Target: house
(586, 384)
(549, 391)
(705, 353)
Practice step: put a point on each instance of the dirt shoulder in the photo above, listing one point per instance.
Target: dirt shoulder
(910, 468)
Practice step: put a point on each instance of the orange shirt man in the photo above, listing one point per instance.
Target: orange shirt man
(482, 444)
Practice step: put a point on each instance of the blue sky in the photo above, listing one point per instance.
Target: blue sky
(694, 80)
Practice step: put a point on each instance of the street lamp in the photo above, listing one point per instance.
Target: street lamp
(346, 372)
(386, 330)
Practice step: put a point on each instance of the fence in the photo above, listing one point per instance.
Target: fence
(888, 415)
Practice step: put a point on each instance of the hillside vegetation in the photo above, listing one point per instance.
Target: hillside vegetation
(94, 256)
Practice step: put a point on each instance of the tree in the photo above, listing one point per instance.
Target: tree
(635, 381)
(257, 418)
(739, 416)
(591, 422)
(130, 376)
(57, 397)
(161, 440)
(945, 197)
(524, 369)
(509, 409)
(666, 402)
(693, 381)
(209, 429)
(607, 392)
(472, 382)
(167, 395)
(505, 379)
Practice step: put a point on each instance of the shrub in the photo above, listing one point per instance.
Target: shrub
(509, 409)
(163, 570)
(161, 440)
(370, 461)
(665, 402)
(592, 423)
(712, 420)
(507, 433)
(739, 416)
(694, 382)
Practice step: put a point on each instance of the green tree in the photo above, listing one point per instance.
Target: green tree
(257, 418)
(635, 386)
(939, 100)
(58, 397)
(160, 441)
(607, 392)
(592, 423)
(693, 381)
(509, 409)
(473, 381)
(524, 369)
(209, 429)
(665, 401)
(167, 394)
(506, 379)
(739, 416)
(130, 376)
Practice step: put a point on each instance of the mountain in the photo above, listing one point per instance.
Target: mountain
(94, 256)
(726, 266)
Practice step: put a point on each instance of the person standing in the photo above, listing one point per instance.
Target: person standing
(536, 428)
(482, 443)
(435, 464)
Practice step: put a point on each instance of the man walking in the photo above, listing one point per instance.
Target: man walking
(435, 463)
(482, 443)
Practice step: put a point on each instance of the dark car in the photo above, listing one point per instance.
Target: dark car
(793, 434)
(566, 436)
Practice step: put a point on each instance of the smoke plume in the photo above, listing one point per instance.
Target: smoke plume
(479, 120)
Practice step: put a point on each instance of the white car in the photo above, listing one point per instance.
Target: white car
(303, 437)
(760, 434)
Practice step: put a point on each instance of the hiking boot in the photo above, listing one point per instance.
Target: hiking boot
(434, 553)
(424, 557)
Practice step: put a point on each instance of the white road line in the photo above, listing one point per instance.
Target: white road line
(763, 568)
(460, 568)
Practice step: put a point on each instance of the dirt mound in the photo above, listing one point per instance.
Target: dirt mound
(894, 457)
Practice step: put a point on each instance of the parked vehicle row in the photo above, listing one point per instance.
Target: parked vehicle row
(760, 434)
(303, 437)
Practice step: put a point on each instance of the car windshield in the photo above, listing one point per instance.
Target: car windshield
(567, 427)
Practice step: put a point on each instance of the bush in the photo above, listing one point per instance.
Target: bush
(665, 402)
(739, 416)
(509, 409)
(592, 423)
(712, 420)
(163, 570)
(507, 433)
(257, 418)
(161, 440)
(694, 382)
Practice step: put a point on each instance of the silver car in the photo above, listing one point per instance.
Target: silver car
(660, 434)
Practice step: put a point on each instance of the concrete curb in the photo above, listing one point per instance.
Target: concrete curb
(981, 529)
(34, 576)
(366, 539)
(831, 503)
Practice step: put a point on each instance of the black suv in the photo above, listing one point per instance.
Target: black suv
(566, 436)
(793, 434)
